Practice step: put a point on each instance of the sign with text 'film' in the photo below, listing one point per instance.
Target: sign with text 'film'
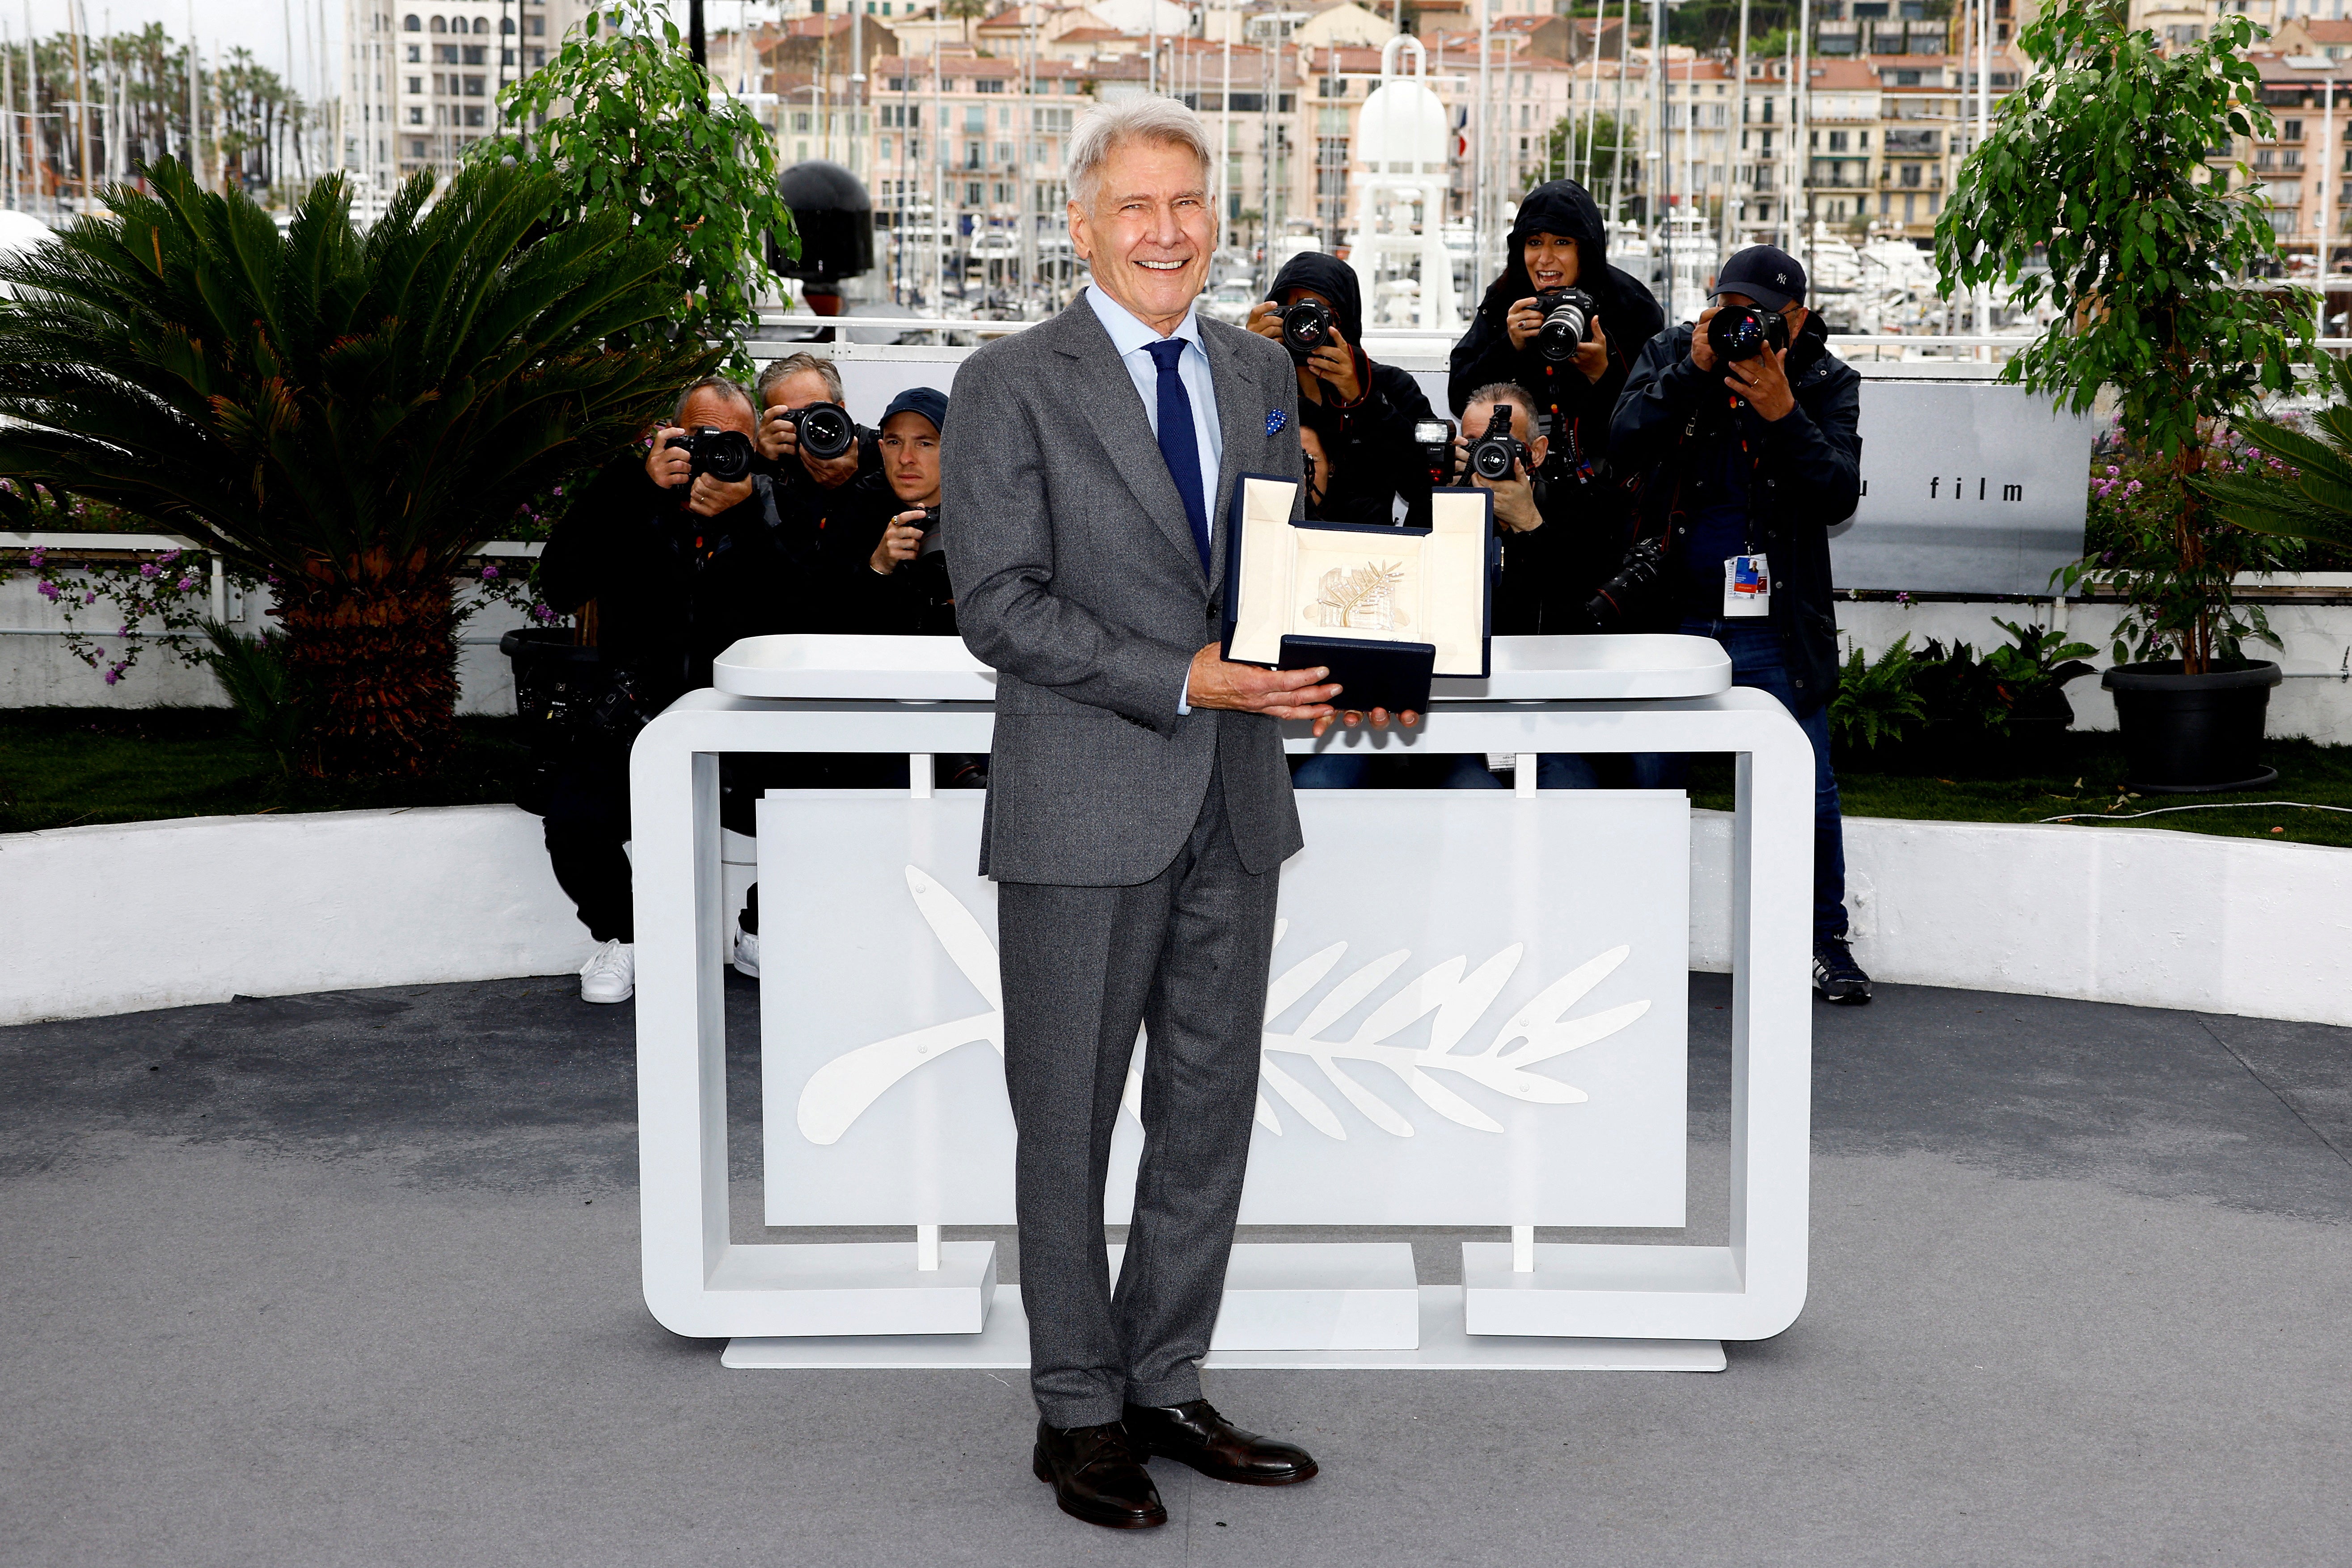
(1477, 1014)
(1968, 488)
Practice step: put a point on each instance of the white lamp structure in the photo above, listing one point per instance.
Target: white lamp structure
(1401, 152)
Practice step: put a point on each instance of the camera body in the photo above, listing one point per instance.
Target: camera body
(1494, 456)
(826, 429)
(932, 543)
(1738, 332)
(724, 454)
(1567, 322)
(1306, 327)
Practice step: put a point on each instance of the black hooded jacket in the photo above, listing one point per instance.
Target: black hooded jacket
(1672, 426)
(1629, 318)
(1370, 440)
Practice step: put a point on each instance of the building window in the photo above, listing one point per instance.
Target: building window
(972, 193)
(476, 54)
(996, 83)
(445, 54)
(507, 27)
(473, 114)
(417, 84)
(415, 149)
(412, 23)
(439, 25)
(473, 87)
(416, 114)
(416, 53)
(801, 118)
(975, 118)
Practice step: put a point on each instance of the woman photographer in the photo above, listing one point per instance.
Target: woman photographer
(1559, 243)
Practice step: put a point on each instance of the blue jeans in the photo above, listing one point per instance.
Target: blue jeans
(1758, 661)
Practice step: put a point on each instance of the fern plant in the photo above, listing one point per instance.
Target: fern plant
(259, 687)
(2306, 496)
(1878, 702)
(345, 417)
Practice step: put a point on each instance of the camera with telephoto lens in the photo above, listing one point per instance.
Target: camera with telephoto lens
(724, 454)
(1436, 439)
(1567, 322)
(1494, 456)
(1738, 333)
(1306, 327)
(1628, 593)
(826, 429)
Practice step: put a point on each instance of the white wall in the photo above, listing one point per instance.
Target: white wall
(161, 914)
(2137, 915)
(111, 920)
(37, 671)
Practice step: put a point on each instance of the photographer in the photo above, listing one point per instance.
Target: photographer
(683, 552)
(1746, 426)
(1362, 412)
(816, 450)
(888, 523)
(1559, 270)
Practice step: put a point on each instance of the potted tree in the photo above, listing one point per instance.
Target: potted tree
(2098, 164)
(347, 417)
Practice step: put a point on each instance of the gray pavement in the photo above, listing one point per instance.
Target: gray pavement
(351, 1279)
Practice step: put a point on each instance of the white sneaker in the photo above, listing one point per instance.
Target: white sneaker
(747, 952)
(610, 975)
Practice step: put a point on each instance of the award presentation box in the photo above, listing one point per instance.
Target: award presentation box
(1384, 608)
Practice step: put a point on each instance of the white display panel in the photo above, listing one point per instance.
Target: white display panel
(1478, 1015)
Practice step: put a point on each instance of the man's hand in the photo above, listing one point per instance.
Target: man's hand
(779, 437)
(1333, 364)
(1515, 498)
(833, 472)
(1702, 353)
(1277, 693)
(666, 465)
(1764, 382)
(1593, 358)
(900, 542)
(710, 497)
(1523, 321)
(1263, 319)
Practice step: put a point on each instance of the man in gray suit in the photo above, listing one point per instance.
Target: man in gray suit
(1139, 805)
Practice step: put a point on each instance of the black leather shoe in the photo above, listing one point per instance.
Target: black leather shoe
(1098, 1475)
(1193, 1434)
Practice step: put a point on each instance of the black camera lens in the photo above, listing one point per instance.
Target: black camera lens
(826, 429)
(724, 454)
(1306, 327)
(1738, 333)
(1494, 455)
(1567, 323)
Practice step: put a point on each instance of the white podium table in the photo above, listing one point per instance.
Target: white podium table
(1551, 1158)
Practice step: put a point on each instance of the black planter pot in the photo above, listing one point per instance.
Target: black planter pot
(2192, 734)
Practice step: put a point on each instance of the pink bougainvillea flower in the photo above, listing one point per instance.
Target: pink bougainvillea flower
(490, 572)
(149, 569)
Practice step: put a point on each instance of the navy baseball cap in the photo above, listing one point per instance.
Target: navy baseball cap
(1766, 274)
(927, 401)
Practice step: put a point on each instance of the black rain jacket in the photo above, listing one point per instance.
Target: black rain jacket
(1629, 317)
(1670, 427)
(1371, 440)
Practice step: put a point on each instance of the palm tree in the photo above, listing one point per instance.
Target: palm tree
(348, 418)
(964, 11)
(2303, 488)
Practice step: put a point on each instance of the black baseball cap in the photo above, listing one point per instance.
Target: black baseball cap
(1766, 274)
(929, 401)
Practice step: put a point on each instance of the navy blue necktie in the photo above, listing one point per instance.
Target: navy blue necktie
(1178, 444)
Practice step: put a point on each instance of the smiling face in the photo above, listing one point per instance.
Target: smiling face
(1552, 261)
(1148, 233)
(910, 457)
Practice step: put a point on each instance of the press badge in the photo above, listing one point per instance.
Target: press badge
(1747, 586)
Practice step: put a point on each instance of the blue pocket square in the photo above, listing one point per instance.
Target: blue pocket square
(1276, 421)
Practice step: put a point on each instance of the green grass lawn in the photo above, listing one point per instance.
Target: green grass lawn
(2079, 773)
(64, 767)
(73, 767)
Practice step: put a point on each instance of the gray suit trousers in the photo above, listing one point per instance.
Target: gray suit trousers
(1185, 954)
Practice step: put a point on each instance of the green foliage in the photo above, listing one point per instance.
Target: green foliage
(1566, 150)
(261, 689)
(344, 417)
(1958, 692)
(621, 121)
(2171, 599)
(1877, 703)
(2032, 671)
(2304, 489)
(2098, 162)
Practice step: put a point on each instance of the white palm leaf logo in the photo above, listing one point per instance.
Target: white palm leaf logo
(839, 1092)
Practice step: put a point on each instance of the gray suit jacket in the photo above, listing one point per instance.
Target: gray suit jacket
(1077, 578)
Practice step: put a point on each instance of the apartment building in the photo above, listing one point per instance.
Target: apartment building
(422, 81)
(2309, 95)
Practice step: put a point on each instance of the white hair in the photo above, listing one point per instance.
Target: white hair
(1153, 118)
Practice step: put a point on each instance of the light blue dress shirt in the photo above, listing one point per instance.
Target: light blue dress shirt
(1133, 340)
